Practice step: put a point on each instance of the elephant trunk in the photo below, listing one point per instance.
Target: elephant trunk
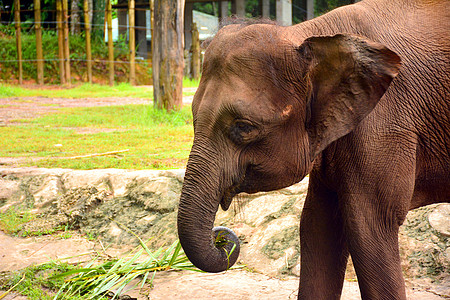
(211, 250)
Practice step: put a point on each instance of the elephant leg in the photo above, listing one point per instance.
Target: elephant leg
(372, 230)
(323, 247)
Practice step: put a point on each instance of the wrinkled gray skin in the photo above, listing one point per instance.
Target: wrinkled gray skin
(357, 98)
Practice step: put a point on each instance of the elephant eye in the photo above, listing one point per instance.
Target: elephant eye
(243, 131)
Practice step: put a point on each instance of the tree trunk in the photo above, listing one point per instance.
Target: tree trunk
(18, 38)
(168, 62)
(195, 50)
(75, 17)
(91, 11)
(87, 31)
(65, 11)
(132, 41)
(39, 52)
(59, 26)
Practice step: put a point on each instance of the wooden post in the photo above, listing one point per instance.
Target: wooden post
(87, 31)
(18, 38)
(223, 9)
(188, 20)
(110, 42)
(39, 55)
(152, 23)
(284, 12)
(66, 41)
(132, 42)
(240, 8)
(195, 49)
(59, 20)
(168, 54)
(309, 9)
(265, 9)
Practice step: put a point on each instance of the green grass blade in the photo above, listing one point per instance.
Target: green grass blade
(71, 272)
(102, 287)
(175, 254)
(144, 279)
(127, 281)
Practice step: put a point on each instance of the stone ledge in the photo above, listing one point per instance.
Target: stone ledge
(103, 202)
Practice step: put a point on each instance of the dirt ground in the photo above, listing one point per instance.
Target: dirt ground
(17, 253)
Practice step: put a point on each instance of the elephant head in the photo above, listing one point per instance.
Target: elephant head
(266, 106)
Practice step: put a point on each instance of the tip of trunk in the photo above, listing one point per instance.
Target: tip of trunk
(226, 241)
(220, 255)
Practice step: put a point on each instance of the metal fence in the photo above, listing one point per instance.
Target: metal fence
(61, 18)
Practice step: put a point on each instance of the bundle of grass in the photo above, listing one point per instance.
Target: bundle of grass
(117, 277)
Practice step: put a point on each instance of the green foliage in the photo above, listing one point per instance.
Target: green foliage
(211, 8)
(34, 282)
(190, 83)
(98, 18)
(12, 220)
(8, 30)
(323, 6)
(77, 45)
(252, 8)
(298, 11)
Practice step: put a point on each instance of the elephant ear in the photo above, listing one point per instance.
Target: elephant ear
(347, 77)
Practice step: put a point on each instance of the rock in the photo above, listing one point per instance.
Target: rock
(8, 187)
(422, 249)
(48, 191)
(160, 194)
(260, 209)
(68, 210)
(81, 178)
(440, 219)
(266, 248)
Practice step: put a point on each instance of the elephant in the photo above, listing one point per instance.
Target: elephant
(358, 99)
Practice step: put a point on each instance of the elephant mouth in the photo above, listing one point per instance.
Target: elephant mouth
(235, 188)
(229, 194)
(227, 199)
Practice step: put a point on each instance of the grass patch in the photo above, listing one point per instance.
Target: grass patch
(190, 83)
(155, 139)
(87, 90)
(12, 220)
(124, 117)
(34, 282)
(81, 91)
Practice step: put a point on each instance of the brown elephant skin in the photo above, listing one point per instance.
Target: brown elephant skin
(358, 99)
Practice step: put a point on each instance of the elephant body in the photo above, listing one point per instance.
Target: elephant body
(358, 99)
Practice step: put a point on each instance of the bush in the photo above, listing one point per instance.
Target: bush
(8, 54)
